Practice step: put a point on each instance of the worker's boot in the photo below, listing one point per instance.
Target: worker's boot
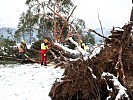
(45, 64)
(41, 63)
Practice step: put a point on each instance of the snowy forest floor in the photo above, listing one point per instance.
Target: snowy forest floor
(27, 82)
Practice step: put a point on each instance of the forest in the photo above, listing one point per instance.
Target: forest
(106, 75)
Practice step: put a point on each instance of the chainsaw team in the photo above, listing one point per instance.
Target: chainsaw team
(45, 44)
(22, 47)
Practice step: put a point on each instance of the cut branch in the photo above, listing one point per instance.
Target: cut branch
(90, 30)
(100, 25)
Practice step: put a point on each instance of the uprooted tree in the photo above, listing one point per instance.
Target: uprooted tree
(101, 77)
(104, 76)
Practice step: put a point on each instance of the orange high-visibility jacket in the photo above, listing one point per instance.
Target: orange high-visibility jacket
(21, 47)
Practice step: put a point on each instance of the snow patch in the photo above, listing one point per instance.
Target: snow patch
(117, 84)
(27, 82)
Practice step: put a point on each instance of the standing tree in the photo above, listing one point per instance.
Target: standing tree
(50, 17)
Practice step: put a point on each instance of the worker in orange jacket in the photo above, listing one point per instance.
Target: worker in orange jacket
(22, 48)
(44, 48)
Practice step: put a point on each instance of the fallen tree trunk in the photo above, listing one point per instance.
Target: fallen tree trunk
(10, 58)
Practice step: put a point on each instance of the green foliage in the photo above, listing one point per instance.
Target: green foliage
(6, 42)
(36, 45)
(91, 39)
(9, 31)
(7, 47)
(79, 25)
(28, 1)
(38, 17)
(66, 6)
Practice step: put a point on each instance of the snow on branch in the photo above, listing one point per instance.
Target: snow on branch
(96, 50)
(84, 53)
(117, 85)
(66, 49)
(79, 51)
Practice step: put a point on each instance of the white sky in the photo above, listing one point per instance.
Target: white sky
(112, 12)
(10, 11)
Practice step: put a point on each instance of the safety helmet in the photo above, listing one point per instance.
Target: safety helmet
(45, 40)
(22, 41)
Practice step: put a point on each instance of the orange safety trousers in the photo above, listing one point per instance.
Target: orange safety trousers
(43, 56)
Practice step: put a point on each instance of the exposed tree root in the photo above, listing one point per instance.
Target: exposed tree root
(85, 76)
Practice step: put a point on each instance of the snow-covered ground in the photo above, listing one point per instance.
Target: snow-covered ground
(27, 82)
